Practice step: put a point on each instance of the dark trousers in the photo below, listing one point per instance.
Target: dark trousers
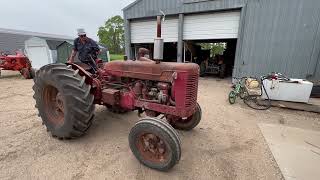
(92, 65)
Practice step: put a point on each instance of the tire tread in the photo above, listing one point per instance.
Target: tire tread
(81, 110)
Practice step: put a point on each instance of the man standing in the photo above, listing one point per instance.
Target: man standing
(86, 48)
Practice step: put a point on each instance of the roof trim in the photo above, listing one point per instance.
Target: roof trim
(130, 5)
(36, 34)
(195, 1)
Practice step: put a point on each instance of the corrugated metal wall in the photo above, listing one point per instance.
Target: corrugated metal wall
(282, 36)
(11, 42)
(223, 25)
(191, 6)
(149, 8)
(275, 35)
(63, 51)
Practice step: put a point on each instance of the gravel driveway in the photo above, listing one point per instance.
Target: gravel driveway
(226, 145)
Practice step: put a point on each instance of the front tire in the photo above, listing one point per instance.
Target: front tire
(190, 123)
(155, 144)
(232, 97)
(26, 73)
(32, 72)
(64, 101)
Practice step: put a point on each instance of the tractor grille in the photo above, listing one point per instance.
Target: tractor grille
(192, 90)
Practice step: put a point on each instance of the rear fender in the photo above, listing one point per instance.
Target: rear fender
(90, 80)
(82, 72)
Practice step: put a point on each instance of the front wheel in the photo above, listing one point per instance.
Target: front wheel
(255, 102)
(189, 123)
(242, 94)
(26, 73)
(155, 144)
(232, 97)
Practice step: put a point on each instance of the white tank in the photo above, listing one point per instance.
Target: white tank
(295, 90)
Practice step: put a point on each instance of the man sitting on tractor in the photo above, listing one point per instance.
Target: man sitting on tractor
(87, 50)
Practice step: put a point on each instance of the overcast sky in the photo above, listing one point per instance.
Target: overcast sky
(59, 16)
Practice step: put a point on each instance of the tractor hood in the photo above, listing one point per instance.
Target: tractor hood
(163, 71)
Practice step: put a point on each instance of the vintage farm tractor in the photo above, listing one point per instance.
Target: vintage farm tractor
(17, 62)
(66, 95)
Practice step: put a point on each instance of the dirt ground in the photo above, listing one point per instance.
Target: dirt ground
(226, 145)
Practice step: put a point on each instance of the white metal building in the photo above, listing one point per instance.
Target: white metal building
(41, 48)
(39, 52)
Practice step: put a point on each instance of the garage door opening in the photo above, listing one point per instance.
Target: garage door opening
(135, 49)
(169, 51)
(215, 57)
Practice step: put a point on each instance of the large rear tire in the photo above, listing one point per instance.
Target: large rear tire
(155, 144)
(64, 101)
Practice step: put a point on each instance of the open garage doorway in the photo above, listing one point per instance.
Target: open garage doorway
(169, 50)
(215, 57)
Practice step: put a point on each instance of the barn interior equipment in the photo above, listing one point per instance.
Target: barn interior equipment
(209, 64)
(18, 62)
(215, 66)
(66, 95)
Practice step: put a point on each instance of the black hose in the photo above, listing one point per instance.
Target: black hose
(264, 88)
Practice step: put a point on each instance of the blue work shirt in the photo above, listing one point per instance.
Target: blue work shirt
(89, 47)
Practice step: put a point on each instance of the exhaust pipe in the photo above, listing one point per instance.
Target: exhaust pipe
(158, 26)
(158, 43)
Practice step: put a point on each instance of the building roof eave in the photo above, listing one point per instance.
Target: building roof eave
(131, 5)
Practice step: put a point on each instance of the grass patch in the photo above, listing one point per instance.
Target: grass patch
(116, 57)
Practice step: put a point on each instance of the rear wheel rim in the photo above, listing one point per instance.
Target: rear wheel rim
(152, 148)
(54, 105)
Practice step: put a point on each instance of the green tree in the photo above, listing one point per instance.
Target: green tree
(112, 35)
(215, 48)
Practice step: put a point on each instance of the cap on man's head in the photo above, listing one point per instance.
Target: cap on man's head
(81, 32)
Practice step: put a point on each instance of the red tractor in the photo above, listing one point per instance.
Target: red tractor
(66, 95)
(17, 62)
